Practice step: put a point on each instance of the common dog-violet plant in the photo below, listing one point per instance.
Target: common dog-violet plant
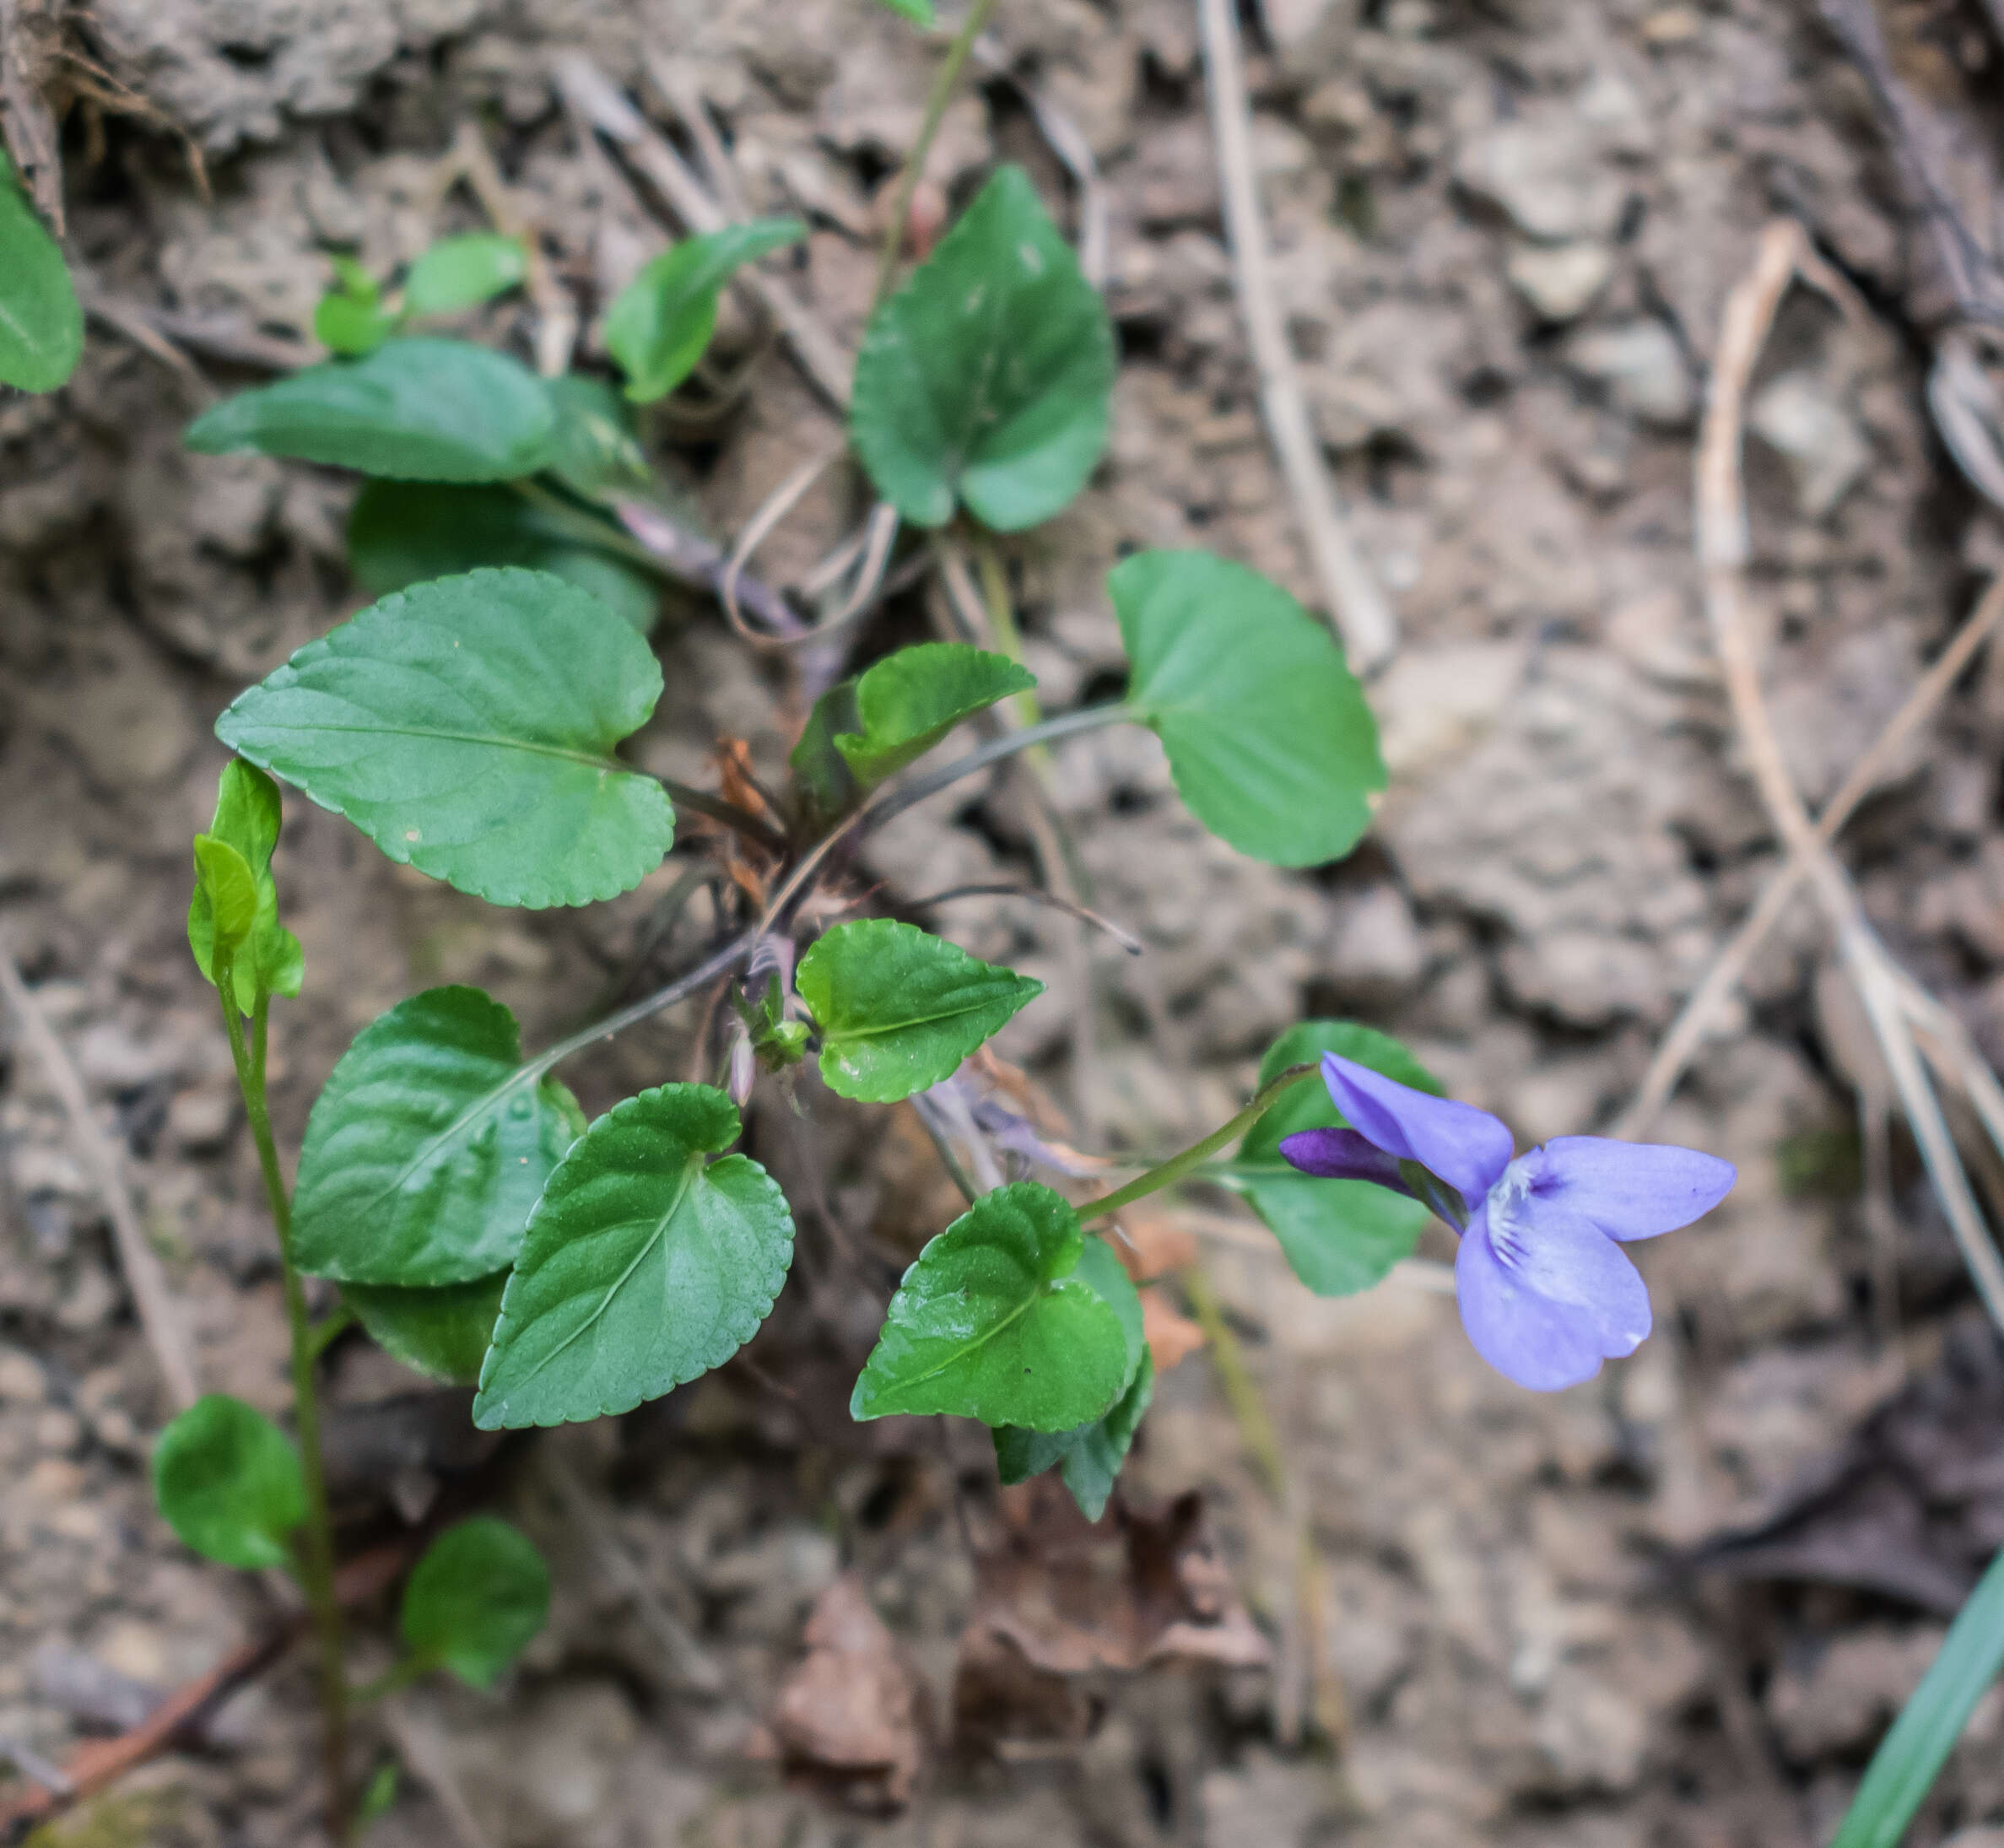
(470, 721)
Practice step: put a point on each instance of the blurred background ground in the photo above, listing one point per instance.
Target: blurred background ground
(1673, 1606)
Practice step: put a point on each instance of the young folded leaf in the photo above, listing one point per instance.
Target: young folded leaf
(406, 533)
(475, 1601)
(992, 1323)
(985, 379)
(659, 324)
(413, 410)
(247, 819)
(350, 318)
(226, 891)
(428, 1147)
(898, 1009)
(907, 703)
(1269, 737)
(41, 323)
(595, 451)
(645, 1264)
(467, 727)
(460, 273)
(441, 1333)
(1340, 1236)
(229, 1483)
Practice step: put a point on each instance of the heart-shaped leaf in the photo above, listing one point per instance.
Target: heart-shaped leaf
(991, 1323)
(645, 1264)
(898, 1009)
(985, 379)
(229, 1483)
(441, 1333)
(428, 1147)
(406, 533)
(41, 324)
(1340, 1236)
(1268, 735)
(413, 410)
(475, 1601)
(247, 819)
(659, 324)
(467, 727)
(907, 703)
(460, 273)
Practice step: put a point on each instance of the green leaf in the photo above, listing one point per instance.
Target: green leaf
(1340, 1236)
(441, 1333)
(987, 378)
(467, 727)
(1091, 1456)
(596, 453)
(920, 11)
(41, 324)
(1910, 1756)
(413, 410)
(898, 1009)
(428, 1148)
(229, 1483)
(475, 1601)
(824, 787)
(460, 273)
(659, 324)
(909, 701)
(991, 1323)
(247, 818)
(345, 326)
(406, 533)
(227, 890)
(645, 1265)
(1268, 735)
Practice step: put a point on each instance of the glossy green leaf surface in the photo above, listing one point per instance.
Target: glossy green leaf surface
(406, 533)
(227, 891)
(1268, 735)
(41, 323)
(659, 324)
(899, 1008)
(247, 819)
(985, 379)
(647, 1263)
(1910, 1756)
(229, 1483)
(475, 1601)
(594, 451)
(345, 326)
(467, 727)
(412, 410)
(460, 273)
(907, 703)
(992, 1323)
(1340, 1236)
(441, 1333)
(428, 1148)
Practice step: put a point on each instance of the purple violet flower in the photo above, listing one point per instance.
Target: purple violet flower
(1545, 1292)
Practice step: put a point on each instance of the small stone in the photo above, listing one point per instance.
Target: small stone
(21, 1381)
(58, 1432)
(201, 1121)
(1559, 282)
(1642, 368)
(1544, 176)
(1672, 26)
(1377, 943)
(1827, 453)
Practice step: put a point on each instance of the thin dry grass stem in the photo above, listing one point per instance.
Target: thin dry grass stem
(594, 98)
(1068, 141)
(1362, 614)
(865, 555)
(1891, 999)
(1680, 1044)
(158, 1315)
(1125, 939)
(426, 1753)
(676, 86)
(470, 160)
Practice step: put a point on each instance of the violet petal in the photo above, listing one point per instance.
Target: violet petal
(1629, 1190)
(1466, 1147)
(1341, 1155)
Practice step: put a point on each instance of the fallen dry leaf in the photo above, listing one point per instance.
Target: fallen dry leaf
(1152, 1244)
(1171, 1335)
(850, 1716)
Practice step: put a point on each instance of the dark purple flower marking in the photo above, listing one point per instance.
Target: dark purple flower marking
(1545, 1292)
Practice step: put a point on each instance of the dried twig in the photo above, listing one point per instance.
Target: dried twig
(1890, 997)
(594, 98)
(27, 128)
(427, 1754)
(143, 1274)
(1362, 614)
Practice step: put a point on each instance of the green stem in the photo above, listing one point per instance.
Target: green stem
(1167, 1174)
(1086, 718)
(1001, 618)
(330, 1328)
(914, 167)
(394, 1680)
(317, 1565)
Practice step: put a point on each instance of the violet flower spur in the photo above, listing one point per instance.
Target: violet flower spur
(1545, 1290)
